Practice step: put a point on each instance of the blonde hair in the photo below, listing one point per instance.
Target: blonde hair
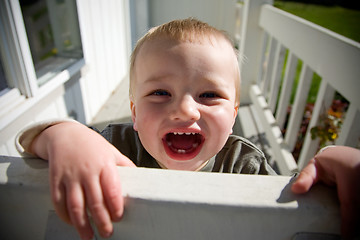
(184, 30)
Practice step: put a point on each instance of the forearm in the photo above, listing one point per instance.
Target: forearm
(24, 139)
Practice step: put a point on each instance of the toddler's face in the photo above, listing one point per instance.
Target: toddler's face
(183, 104)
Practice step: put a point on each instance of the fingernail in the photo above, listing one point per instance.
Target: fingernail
(119, 216)
(108, 234)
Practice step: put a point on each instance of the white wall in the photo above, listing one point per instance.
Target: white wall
(105, 36)
(218, 13)
(150, 13)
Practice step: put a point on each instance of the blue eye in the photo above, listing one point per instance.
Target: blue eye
(208, 95)
(160, 93)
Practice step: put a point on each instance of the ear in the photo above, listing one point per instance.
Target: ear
(236, 109)
(133, 114)
(234, 118)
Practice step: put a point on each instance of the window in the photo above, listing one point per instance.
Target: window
(40, 49)
(38, 40)
(53, 34)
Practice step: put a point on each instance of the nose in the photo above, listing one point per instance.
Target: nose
(185, 109)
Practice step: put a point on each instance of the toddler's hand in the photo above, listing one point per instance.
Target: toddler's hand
(337, 166)
(83, 176)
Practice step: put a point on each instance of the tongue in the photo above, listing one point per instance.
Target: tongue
(182, 141)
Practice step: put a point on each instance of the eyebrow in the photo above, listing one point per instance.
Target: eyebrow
(157, 78)
(208, 79)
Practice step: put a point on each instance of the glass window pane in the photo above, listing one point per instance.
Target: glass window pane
(53, 33)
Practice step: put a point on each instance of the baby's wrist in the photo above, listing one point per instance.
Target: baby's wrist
(24, 139)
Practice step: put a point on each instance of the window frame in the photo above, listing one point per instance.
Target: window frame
(18, 65)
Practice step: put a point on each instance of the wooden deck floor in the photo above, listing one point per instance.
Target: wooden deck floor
(117, 110)
(249, 126)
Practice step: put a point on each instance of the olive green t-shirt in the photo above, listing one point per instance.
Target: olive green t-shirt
(237, 156)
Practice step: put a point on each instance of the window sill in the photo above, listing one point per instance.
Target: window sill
(13, 104)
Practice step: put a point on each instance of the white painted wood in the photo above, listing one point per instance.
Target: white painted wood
(298, 107)
(10, 50)
(105, 32)
(322, 104)
(32, 109)
(8, 98)
(263, 60)
(61, 108)
(30, 83)
(350, 131)
(276, 76)
(48, 112)
(116, 109)
(27, 201)
(247, 123)
(161, 204)
(10, 146)
(3, 150)
(256, 119)
(269, 67)
(282, 155)
(42, 94)
(104, 10)
(287, 86)
(11, 100)
(331, 55)
(88, 74)
(250, 46)
(99, 48)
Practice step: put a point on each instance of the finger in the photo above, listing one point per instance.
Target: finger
(58, 197)
(307, 177)
(77, 211)
(110, 183)
(98, 209)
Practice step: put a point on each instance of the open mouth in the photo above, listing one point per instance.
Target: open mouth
(183, 146)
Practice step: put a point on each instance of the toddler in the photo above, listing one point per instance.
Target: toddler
(184, 94)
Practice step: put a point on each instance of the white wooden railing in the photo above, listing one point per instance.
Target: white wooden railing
(272, 32)
(164, 204)
(169, 204)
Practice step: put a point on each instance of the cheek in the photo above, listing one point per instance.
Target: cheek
(224, 118)
(146, 117)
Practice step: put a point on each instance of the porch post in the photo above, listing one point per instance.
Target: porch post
(250, 45)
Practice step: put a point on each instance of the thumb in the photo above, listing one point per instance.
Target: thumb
(307, 177)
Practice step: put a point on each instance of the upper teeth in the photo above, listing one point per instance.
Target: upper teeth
(181, 133)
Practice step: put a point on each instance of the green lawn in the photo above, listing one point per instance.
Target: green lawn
(338, 19)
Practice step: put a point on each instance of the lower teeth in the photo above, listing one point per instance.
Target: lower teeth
(182, 151)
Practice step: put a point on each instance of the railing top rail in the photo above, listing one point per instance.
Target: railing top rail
(169, 204)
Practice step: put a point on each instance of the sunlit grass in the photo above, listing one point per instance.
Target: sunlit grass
(338, 19)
